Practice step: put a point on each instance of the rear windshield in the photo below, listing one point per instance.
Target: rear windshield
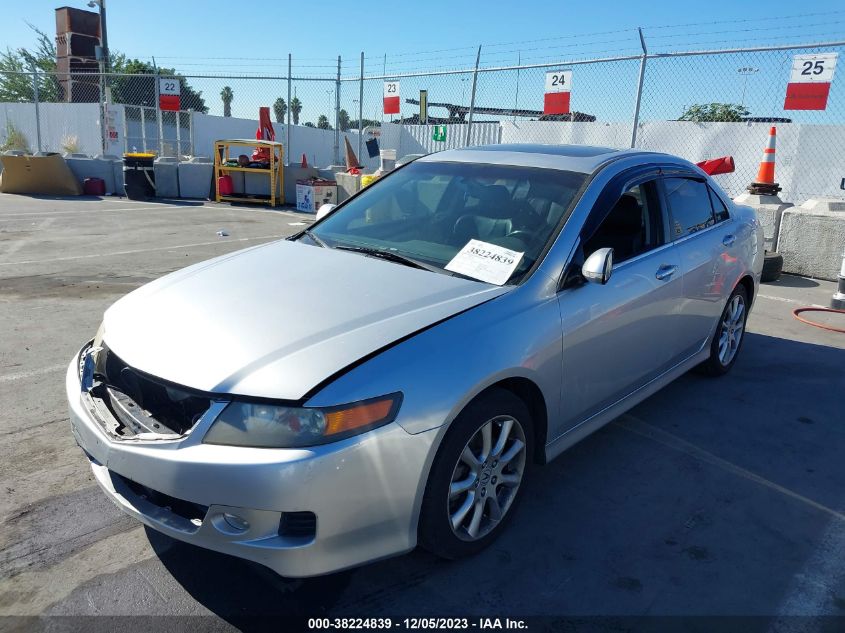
(430, 212)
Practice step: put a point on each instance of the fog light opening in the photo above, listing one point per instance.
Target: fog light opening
(235, 522)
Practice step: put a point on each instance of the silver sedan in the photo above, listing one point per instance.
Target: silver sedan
(386, 378)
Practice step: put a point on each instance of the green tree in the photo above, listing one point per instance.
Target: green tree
(343, 120)
(134, 84)
(136, 90)
(16, 84)
(700, 113)
(353, 125)
(295, 109)
(227, 95)
(309, 124)
(280, 108)
(323, 122)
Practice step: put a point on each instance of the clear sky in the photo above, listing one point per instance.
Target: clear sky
(215, 37)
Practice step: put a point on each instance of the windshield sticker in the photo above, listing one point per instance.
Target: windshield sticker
(485, 262)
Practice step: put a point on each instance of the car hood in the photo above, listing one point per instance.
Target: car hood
(276, 320)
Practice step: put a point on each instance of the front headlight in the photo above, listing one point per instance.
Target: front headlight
(271, 426)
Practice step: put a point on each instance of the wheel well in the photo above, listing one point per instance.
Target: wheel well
(527, 391)
(748, 282)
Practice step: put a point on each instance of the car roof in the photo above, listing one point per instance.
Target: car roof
(580, 158)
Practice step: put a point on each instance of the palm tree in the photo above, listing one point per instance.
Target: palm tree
(323, 122)
(280, 108)
(343, 120)
(227, 95)
(295, 109)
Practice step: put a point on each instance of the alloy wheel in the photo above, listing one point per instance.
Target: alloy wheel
(486, 478)
(731, 329)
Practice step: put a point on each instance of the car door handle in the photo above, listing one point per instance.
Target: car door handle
(729, 240)
(665, 271)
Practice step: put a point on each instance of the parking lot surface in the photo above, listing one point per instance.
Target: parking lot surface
(713, 497)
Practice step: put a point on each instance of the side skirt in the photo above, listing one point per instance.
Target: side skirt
(598, 420)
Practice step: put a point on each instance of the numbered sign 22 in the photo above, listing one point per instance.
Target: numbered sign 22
(169, 91)
(557, 91)
(391, 97)
(809, 81)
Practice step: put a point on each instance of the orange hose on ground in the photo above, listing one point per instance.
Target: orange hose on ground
(797, 314)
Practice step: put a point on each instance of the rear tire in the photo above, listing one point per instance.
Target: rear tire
(477, 476)
(729, 335)
(772, 267)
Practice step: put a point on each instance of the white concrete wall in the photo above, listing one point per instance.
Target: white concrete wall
(58, 120)
(416, 139)
(805, 167)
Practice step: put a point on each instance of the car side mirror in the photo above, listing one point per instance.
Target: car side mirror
(324, 210)
(598, 267)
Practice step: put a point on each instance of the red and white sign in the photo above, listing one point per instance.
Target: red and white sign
(809, 83)
(391, 97)
(558, 86)
(169, 91)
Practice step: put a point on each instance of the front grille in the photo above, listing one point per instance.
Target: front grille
(193, 512)
(132, 403)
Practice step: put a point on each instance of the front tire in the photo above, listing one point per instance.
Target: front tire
(477, 476)
(727, 341)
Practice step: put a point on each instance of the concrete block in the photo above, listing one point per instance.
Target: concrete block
(347, 185)
(769, 211)
(812, 237)
(166, 170)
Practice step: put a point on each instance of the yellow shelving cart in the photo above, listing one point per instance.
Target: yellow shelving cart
(275, 171)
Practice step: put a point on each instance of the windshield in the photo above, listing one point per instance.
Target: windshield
(487, 222)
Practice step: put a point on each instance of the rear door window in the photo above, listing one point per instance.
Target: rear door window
(689, 205)
(719, 208)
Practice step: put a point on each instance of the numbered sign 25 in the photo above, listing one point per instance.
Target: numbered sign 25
(813, 68)
(809, 81)
(558, 81)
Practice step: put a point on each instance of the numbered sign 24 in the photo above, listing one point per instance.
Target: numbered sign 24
(557, 91)
(809, 81)
(391, 97)
(169, 91)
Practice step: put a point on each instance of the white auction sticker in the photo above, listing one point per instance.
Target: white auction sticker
(485, 262)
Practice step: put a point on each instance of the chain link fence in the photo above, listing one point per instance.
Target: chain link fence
(697, 105)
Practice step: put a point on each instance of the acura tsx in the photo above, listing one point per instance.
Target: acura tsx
(386, 377)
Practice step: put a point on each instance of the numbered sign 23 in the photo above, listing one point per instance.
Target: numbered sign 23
(809, 81)
(556, 97)
(391, 97)
(169, 91)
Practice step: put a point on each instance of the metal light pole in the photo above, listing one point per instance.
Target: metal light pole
(104, 65)
(745, 71)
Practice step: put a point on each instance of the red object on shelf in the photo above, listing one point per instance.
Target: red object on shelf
(304, 162)
(224, 183)
(94, 187)
(715, 166)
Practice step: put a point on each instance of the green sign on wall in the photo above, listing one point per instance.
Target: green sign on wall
(439, 133)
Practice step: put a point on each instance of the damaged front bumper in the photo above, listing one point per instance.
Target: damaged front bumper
(301, 512)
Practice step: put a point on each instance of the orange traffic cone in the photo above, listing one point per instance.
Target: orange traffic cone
(304, 162)
(351, 159)
(765, 184)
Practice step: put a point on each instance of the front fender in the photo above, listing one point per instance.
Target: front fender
(442, 368)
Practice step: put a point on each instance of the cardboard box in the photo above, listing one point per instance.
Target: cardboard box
(313, 193)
